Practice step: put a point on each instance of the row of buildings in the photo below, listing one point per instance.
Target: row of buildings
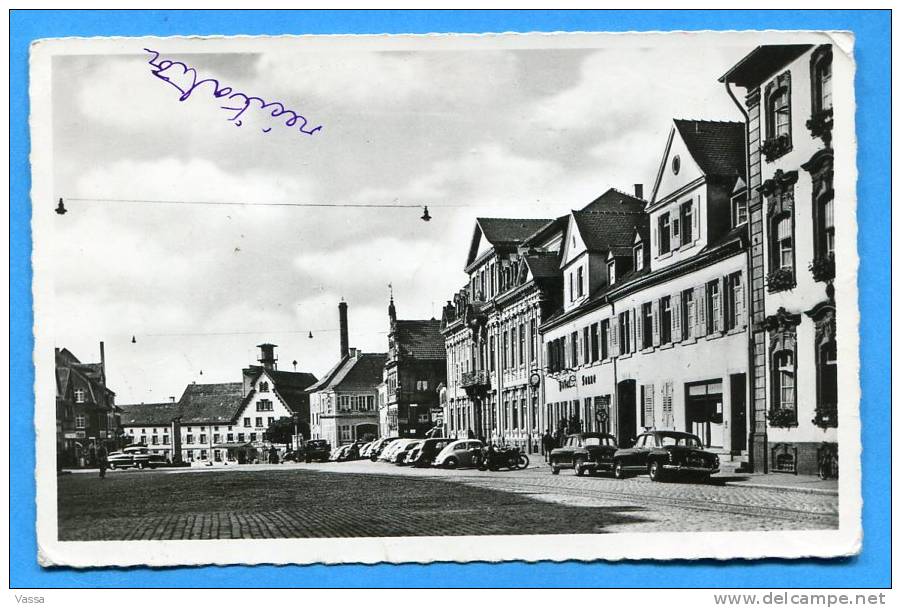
(706, 305)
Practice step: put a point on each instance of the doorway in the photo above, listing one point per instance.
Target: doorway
(625, 413)
(737, 405)
(704, 411)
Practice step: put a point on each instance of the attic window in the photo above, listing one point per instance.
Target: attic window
(611, 272)
(677, 164)
(79, 396)
(639, 257)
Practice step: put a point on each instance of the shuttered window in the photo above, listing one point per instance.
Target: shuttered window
(668, 421)
(647, 412)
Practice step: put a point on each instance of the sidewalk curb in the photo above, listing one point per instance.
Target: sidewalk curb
(741, 484)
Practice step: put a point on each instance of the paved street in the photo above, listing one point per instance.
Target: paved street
(375, 499)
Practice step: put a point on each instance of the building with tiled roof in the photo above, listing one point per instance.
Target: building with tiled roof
(413, 371)
(343, 404)
(86, 412)
(652, 333)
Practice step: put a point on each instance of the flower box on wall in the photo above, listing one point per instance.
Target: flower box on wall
(783, 418)
(820, 125)
(823, 267)
(774, 147)
(780, 279)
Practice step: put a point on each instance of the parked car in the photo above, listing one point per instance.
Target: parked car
(584, 452)
(425, 454)
(137, 456)
(293, 456)
(339, 453)
(664, 453)
(365, 449)
(316, 449)
(406, 452)
(379, 445)
(458, 454)
(389, 453)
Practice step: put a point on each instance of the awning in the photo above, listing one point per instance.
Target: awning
(233, 444)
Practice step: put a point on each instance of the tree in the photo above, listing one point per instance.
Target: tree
(281, 431)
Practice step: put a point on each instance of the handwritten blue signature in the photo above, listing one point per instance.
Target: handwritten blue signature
(184, 79)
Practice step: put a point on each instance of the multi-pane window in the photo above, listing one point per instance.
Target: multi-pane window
(586, 345)
(574, 349)
(79, 395)
(666, 320)
(638, 257)
(202, 438)
(264, 387)
(580, 281)
(663, 234)
(264, 405)
(189, 438)
(259, 421)
(686, 213)
(605, 338)
(784, 379)
(784, 243)
(826, 228)
(647, 325)
(611, 272)
(734, 303)
(714, 303)
(533, 337)
(522, 344)
(247, 422)
(595, 350)
(422, 385)
(506, 347)
(739, 210)
(779, 113)
(821, 76)
(79, 422)
(491, 352)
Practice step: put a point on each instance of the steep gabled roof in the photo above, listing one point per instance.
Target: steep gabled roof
(148, 414)
(543, 265)
(420, 339)
(362, 372)
(211, 402)
(502, 232)
(763, 62)
(717, 147)
(603, 229)
(614, 200)
(291, 387)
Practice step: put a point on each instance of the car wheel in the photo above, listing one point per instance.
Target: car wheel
(555, 470)
(112, 466)
(580, 466)
(618, 471)
(451, 463)
(141, 465)
(655, 471)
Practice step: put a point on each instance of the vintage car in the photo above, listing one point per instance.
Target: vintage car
(137, 456)
(316, 449)
(664, 453)
(584, 452)
(458, 453)
(379, 445)
(365, 449)
(390, 453)
(425, 454)
(409, 450)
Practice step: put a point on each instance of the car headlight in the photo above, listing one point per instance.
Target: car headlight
(716, 461)
(669, 456)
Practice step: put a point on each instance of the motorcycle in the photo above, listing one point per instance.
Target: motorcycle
(494, 458)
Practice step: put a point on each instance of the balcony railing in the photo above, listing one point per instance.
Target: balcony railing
(476, 379)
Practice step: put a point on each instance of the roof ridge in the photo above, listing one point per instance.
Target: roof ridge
(709, 120)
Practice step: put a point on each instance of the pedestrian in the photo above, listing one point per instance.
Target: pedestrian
(547, 444)
(102, 460)
(273, 455)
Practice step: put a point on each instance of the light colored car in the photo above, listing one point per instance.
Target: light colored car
(339, 453)
(458, 454)
(389, 453)
(137, 456)
(364, 451)
(408, 453)
(379, 445)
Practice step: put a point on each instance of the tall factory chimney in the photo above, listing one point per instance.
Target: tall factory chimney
(102, 365)
(639, 191)
(342, 319)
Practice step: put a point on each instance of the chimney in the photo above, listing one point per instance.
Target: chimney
(267, 356)
(102, 365)
(171, 398)
(342, 319)
(352, 352)
(639, 191)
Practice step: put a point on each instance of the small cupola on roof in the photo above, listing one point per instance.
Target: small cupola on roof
(267, 356)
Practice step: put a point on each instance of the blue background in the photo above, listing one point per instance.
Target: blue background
(873, 52)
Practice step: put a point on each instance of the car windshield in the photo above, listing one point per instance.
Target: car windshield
(689, 441)
(596, 441)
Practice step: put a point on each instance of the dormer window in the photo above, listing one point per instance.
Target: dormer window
(638, 257)
(739, 210)
(611, 272)
(79, 395)
(580, 281)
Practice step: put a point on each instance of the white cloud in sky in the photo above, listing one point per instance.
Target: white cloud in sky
(470, 133)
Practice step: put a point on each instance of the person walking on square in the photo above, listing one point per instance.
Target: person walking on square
(102, 460)
(547, 444)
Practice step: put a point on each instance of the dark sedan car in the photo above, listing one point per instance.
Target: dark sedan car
(425, 453)
(584, 452)
(662, 453)
(317, 449)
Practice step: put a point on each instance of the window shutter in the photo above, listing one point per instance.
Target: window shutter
(675, 237)
(676, 316)
(611, 337)
(701, 310)
(634, 328)
(739, 300)
(649, 405)
(655, 322)
(639, 329)
(725, 314)
(695, 214)
(614, 336)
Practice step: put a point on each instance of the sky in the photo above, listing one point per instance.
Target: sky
(470, 133)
